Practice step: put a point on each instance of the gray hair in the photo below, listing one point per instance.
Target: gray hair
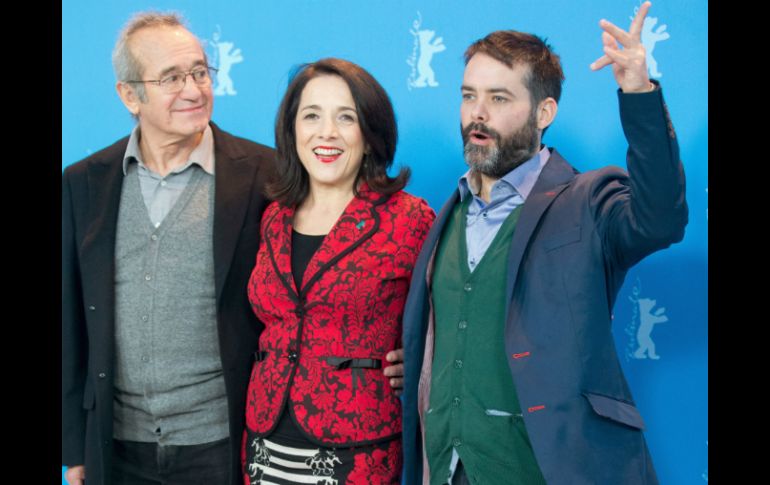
(127, 67)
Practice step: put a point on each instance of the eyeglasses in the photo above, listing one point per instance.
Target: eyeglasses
(175, 82)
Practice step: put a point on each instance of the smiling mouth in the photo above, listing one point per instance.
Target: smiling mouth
(327, 154)
(193, 109)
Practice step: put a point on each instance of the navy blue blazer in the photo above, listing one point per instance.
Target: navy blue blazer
(577, 236)
(90, 198)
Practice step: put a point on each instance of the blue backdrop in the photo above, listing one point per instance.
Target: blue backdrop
(414, 48)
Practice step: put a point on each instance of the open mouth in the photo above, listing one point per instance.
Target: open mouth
(480, 138)
(477, 135)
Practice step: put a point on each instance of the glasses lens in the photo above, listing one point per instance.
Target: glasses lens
(175, 82)
(200, 76)
(172, 82)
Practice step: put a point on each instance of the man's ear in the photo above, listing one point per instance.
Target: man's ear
(546, 112)
(128, 96)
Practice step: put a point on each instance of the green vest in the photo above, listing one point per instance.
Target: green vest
(474, 408)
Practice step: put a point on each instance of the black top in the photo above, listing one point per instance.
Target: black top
(303, 247)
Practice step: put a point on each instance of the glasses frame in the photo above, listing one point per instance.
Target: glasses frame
(159, 82)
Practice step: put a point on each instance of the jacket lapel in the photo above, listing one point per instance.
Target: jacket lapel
(431, 241)
(555, 177)
(105, 182)
(357, 223)
(277, 238)
(233, 180)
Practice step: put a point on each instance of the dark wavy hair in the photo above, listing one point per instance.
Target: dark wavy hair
(290, 184)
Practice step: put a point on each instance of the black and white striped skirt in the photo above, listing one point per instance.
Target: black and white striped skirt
(268, 462)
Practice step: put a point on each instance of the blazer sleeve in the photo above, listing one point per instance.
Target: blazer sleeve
(420, 218)
(645, 210)
(73, 339)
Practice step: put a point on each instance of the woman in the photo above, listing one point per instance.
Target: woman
(331, 277)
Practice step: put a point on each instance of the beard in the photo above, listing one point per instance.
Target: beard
(506, 153)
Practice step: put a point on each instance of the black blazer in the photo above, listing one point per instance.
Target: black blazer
(90, 197)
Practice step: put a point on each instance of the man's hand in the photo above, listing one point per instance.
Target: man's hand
(396, 370)
(75, 475)
(628, 65)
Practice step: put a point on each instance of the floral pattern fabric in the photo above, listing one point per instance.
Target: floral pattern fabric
(349, 305)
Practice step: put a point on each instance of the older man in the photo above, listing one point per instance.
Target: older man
(156, 328)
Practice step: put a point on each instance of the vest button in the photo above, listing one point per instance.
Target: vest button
(459, 364)
(467, 287)
(292, 356)
(462, 325)
(457, 442)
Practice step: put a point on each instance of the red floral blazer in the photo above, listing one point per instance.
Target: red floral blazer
(324, 344)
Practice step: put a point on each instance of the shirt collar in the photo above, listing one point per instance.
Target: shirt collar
(202, 155)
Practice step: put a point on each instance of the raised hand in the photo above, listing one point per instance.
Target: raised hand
(629, 64)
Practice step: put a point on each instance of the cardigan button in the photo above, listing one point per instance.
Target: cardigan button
(292, 356)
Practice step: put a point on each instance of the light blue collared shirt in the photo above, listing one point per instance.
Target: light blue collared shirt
(160, 193)
(484, 220)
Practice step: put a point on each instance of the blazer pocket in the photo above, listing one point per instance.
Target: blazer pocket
(562, 239)
(616, 410)
(89, 399)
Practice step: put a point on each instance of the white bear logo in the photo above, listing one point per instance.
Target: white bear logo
(648, 319)
(225, 56)
(427, 49)
(422, 74)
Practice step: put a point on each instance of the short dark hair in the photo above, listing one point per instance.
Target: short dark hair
(519, 48)
(376, 119)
